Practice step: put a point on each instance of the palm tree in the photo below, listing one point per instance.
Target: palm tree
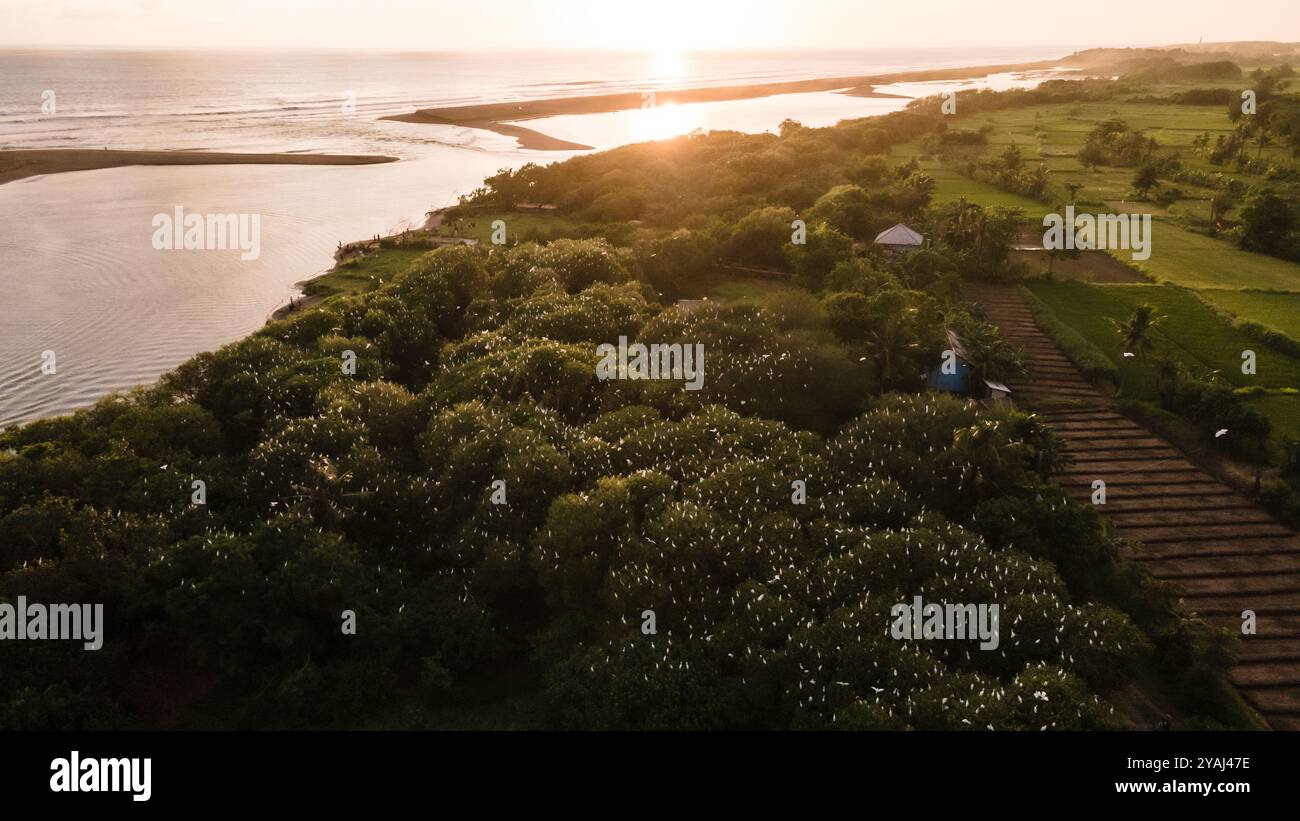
(970, 228)
(1136, 334)
(983, 453)
(894, 349)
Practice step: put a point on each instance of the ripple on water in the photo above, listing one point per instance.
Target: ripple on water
(79, 275)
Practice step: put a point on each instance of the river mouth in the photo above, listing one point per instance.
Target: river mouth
(82, 279)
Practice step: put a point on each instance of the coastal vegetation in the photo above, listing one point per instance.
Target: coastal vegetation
(519, 543)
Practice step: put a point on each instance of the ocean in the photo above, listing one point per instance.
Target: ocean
(79, 276)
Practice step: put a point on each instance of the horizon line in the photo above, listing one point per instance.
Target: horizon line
(592, 49)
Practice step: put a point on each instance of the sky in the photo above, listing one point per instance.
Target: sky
(662, 26)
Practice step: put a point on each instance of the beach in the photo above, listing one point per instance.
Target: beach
(502, 118)
(15, 164)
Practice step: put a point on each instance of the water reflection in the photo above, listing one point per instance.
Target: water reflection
(662, 122)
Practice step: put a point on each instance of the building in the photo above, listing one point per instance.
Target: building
(899, 239)
(956, 374)
(997, 391)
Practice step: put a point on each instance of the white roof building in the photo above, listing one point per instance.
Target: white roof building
(900, 238)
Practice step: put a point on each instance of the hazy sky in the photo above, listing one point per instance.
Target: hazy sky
(652, 25)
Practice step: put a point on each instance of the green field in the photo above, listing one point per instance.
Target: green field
(521, 226)
(726, 286)
(1278, 311)
(361, 274)
(1054, 133)
(1283, 412)
(1051, 135)
(1197, 261)
(951, 186)
(1190, 332)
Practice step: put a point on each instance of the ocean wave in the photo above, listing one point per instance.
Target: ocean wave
(50, 118)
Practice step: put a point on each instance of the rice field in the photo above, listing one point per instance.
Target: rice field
(1053, 134)
(1189, 331)
(1280, 312)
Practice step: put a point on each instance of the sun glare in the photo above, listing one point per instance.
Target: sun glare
(668, 65)
(662, 122)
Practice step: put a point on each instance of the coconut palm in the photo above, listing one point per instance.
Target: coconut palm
(894, 349)
(1137, 333)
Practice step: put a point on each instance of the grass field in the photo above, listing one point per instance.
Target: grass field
(521, 226)
(727, 286)
(951, 186)
(1197, 261)
(360, 275)
(1088, 266)
(1190, 332)
(1283, 412)
(1278, 311)
(1051, 135)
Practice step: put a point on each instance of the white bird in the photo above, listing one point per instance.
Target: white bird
(1220, 432)
(1129, 354)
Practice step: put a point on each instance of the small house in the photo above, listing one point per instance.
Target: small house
(998, 392)
(900, 239)
(954, 374)
(957, 374)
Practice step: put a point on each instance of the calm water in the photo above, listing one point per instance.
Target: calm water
(78, 273)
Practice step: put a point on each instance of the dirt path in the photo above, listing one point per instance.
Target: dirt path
(1224, 551)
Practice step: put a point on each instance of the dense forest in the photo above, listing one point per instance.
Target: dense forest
(522, 544)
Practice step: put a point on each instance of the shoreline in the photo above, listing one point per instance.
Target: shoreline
(502, 118)
(354, 250)
(21, 163)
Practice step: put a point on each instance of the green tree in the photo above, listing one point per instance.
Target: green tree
(1137, 334)
(1146, 178)
(825, 248)
(1267, 222)
(761, 237)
